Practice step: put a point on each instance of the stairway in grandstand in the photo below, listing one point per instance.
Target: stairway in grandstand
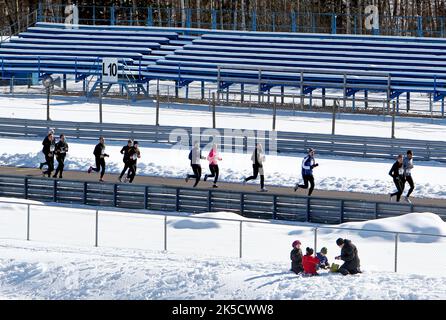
(392, 65)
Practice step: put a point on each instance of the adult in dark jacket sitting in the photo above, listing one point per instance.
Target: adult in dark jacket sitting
(349, 254)
(296, 258)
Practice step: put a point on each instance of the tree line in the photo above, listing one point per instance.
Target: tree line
(237, 14)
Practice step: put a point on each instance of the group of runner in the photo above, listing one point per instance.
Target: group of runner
(401, 171)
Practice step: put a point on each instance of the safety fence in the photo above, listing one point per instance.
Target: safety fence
(180, 199)
(231, 140)
(93, 226)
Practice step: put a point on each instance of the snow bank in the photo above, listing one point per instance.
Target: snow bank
(422, 223)
(42, 271)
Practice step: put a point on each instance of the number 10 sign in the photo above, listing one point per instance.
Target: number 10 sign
(109, 70)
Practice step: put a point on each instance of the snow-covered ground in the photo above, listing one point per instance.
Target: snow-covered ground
(144, 112)
(202, 263)
(338, 174)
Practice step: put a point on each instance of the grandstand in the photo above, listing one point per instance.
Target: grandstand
(308, 62)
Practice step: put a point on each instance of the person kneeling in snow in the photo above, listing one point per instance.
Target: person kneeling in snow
(310, 263)
(349, 254)
(296, 258)
(323, 260)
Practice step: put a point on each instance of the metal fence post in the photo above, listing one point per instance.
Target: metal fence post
(157, 119)
(308, 209)
(396, 251)
(274, 113)
(97, 229)
(28, 221)
(85, 192)
(315, 240)
(146, 197)
(393, 120)
(165, 233)
(213, 111)
(241, 240)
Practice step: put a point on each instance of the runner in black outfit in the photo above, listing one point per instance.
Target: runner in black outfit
(134, 154)
(61, 152)
(49, 146)
(100, 155)
(308, 164)
(397, 173)
(125, 151)
(45, 150)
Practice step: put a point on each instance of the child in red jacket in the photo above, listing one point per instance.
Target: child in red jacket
(310, 262)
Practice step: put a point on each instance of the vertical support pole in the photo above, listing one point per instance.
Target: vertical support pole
(100, 100)
(293, 21)
(260, 86)
(311, 99)
(254, 21)
(274, 113)
(64, 82)
(214, 19)
(241, 240)
(442, 107)
(420, 26)
(96, 241)
(302, 101)
(112, 15)
(315, 240)
(202, 90)
(115, 195)
(227, 94)
(282, 93)
(146, 198)
(354, 102)
(157, 118)
(333, 23)
(393, 120)
(344, 103)
(149, 16)
(213, 111)
(218, 83)
(324, 101)
(396, 251)
(408, 101)
(48, 92)
(28, 221)
(242, 90)
(85, 192)
(366, 99)
(389, 80)
(165, 233)
(431, 104)
(333, 120)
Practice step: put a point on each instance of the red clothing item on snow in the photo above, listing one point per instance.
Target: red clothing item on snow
(310, 263)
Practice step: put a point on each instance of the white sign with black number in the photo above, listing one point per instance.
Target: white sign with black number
(109, 70)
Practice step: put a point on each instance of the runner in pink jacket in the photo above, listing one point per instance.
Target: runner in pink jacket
(213, 159)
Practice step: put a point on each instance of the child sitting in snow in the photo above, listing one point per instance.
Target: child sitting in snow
(310, 263)
(323, 260)
(296, 258)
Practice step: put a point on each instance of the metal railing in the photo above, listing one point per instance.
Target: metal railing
(272, 205)
(165, 217)
(23, 23)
